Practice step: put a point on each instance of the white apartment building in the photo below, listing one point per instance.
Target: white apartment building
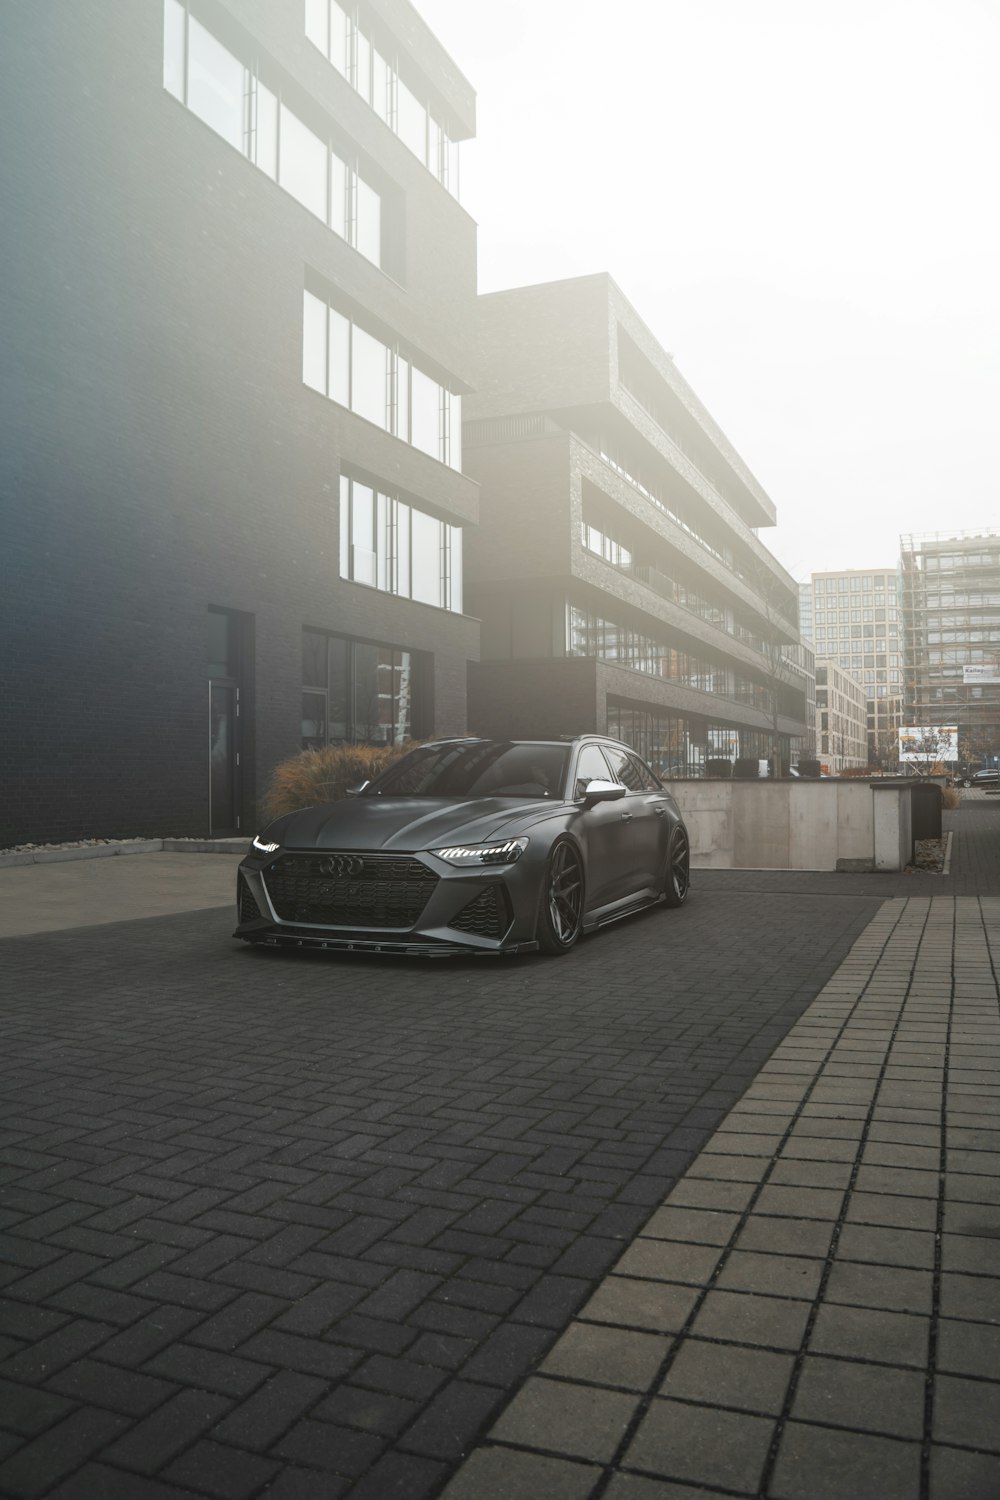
(841, 719)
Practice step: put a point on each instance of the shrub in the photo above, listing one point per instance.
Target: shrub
(324, 775)
(951, 797)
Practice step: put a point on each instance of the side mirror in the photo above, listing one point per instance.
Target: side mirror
(603, 791)
(355, 791)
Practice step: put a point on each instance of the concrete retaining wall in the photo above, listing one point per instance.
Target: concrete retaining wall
(796, 825)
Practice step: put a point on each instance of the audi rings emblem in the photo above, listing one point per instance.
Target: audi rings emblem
(342, 864)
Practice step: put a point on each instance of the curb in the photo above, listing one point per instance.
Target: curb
(14, 859)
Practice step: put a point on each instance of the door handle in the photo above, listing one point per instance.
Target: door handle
(626, 817)
(660, 810)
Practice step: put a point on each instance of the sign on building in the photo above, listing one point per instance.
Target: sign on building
(924, 744)
(981, 672)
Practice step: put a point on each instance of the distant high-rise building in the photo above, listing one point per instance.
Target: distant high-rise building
(950, 598)
(854, 623)
(806, 612)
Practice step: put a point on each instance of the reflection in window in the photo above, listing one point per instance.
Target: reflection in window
(392, 546)
(231, 99)
(425, 546)
(358, 692)
(343, 361)
(215, 84)
(425, 413)
(369, 358)
(302, 164)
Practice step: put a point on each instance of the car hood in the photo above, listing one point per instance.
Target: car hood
(407, 823)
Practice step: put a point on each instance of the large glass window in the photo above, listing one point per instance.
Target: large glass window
(174, 48)
(358, 692)
(411, 121)
(392, 546)
(314, 332)
(374, 73)
(425, 543)
(378, 382)
(425, 413)
(303, 164)
(368, 226)
(215, 91)
(368, 377)
(230, 97)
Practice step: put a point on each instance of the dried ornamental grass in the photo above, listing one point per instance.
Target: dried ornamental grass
(324, 775)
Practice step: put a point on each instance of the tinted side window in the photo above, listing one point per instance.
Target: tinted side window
(647, 781)
(629, 770)
(591, 767)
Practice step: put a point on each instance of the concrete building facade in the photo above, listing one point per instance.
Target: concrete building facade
(841, 719)
(236, 287)
(950, 600)
(852, 618)
(617, 570)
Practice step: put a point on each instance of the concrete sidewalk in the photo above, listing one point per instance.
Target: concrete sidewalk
(814, 1312)
(92, 892)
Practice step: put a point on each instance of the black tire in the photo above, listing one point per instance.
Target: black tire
(967, 781)
(560, 913)
(677, 876)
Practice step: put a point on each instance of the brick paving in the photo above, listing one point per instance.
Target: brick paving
(814, 1312)
(293, 1225)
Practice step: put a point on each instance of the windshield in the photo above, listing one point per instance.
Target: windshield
(483, 768)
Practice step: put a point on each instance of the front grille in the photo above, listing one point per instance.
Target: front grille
(249, 910)
(487, 916)
(349, 890)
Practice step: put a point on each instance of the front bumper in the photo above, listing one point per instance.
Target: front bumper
(378, 903)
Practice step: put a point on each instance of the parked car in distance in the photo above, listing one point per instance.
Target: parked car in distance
(490, 846)
(988, 776)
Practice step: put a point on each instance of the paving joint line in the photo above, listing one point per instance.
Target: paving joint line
(677, 1339)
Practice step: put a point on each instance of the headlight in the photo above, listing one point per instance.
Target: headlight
(483, 854)
(263, 848)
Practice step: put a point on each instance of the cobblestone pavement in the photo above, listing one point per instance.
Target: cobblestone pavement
(309, 1226)
(814, 1313)
(298, 1225)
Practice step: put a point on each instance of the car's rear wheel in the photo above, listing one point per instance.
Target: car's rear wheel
(560, 918)
(677, 879)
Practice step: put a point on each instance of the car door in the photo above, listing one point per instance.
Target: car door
(600, 829)
(643, 827)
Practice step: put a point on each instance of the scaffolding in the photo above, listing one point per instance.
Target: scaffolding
(950, 616)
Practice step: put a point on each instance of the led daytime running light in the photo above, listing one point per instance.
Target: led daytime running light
(263, 848)
(483, 854)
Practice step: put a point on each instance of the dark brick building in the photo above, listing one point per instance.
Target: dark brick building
(233, 311)
(617, 570)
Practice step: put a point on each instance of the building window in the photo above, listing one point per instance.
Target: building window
(389, 545)
(341, 36)
(359, 692)
(344, 362)
(231, 99)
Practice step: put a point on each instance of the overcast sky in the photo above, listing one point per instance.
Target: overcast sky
(800, 197)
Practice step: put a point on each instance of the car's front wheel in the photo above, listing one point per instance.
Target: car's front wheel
(677, 879)
(560, 918)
